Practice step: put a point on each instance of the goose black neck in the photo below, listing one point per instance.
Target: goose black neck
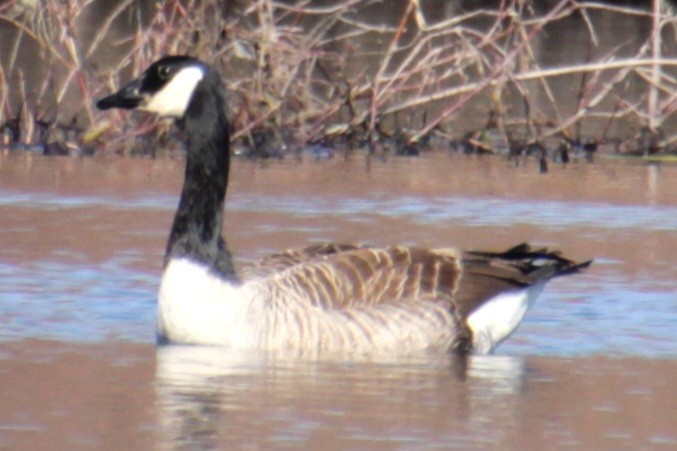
(196, 231)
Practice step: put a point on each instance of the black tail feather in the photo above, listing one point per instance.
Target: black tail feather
(531, 260)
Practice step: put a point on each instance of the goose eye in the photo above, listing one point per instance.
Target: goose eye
(164, 72)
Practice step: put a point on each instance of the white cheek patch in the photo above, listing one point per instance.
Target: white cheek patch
(173, 98)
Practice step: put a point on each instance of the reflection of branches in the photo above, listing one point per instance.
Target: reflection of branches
(291, 65)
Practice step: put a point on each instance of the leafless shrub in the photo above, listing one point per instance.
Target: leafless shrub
(290, 67)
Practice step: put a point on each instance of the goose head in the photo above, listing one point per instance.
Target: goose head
(191, 92)
(166, 88)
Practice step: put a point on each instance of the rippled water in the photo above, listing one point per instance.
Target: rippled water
(65, 295)
(81, 245)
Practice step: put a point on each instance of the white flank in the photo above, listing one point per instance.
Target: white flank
(496, 319)
(172, 99)
(195, 306)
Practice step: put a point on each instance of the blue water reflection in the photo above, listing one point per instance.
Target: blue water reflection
(473, 211)
(461, 210)
(584, 315)
(50, 299)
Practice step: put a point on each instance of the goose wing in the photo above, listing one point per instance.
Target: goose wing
(341, 276)
(347, 276)
(398, 296)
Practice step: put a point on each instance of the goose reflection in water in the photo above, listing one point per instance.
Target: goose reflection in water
(208, 397)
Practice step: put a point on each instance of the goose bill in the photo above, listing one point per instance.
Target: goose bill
(128, 98)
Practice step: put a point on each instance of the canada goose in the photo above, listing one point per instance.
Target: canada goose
(323, 298)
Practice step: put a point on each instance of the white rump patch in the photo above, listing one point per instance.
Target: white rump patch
(172, 99)
(497, 318)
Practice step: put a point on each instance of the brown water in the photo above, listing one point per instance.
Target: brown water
(592, 366)
(126, 396)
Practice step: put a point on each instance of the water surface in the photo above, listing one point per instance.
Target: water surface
(591, 367)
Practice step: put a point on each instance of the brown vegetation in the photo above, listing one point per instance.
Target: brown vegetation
(300, 73)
